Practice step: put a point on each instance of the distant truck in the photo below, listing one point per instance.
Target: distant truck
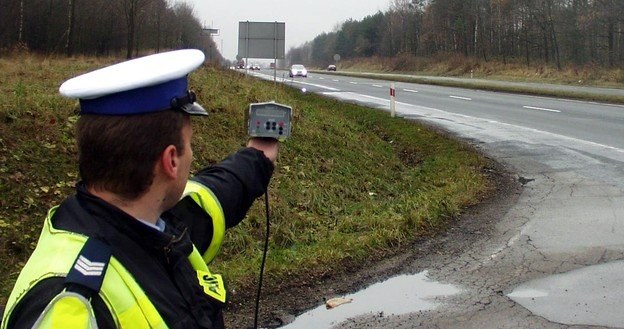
(241, 64)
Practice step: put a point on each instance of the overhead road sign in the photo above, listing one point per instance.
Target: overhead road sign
(209, 31)
(262, 39)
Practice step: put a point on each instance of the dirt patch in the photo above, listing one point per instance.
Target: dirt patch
(282, 301)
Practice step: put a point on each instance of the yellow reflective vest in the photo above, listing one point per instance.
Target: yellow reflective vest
(57, 250)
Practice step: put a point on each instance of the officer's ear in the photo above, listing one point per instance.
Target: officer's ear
(170, 162)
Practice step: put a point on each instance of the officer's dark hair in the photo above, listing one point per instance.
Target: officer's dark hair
(119, 153)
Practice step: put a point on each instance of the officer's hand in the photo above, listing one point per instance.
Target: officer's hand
(269, 146)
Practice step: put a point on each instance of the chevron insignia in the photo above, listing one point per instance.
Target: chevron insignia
(89, 268)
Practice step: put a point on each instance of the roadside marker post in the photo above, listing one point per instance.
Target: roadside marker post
(392, 100)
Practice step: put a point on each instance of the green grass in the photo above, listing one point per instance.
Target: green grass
(351, 182)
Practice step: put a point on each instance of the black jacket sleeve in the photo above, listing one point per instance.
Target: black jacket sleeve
(32, 305)
(237, 181)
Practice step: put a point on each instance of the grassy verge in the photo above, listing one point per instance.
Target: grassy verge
(351, 182)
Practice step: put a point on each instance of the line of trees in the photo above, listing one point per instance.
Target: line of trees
(533, 31)
(101, 27)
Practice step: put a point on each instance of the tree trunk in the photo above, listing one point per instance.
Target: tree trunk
(21, 23)
(158, 22)
(556, 48)
(130, 16)
(526, 47)
(553, 35)
(69, 46)
(545, 42)
(611, 41)
(475, 33)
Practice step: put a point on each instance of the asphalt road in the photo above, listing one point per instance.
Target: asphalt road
(599, 123)
(556, 258)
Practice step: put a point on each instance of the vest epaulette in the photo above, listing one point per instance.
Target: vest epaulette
(90, 266)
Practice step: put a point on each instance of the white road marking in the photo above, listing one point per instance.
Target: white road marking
(353, 82)
(410, 90)
(541, 109)
(379, 86)
(321, 78)
(371, 97)
(315, 85)
(462, 98)
(335, 80)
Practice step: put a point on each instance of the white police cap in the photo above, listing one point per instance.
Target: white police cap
(144, 85)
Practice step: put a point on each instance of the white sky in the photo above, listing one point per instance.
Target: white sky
(305, 19)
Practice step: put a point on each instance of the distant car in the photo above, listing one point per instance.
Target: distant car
(331, 68)
(298, 70)
(255, 66)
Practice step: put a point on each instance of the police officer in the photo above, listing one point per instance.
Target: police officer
(130, 249)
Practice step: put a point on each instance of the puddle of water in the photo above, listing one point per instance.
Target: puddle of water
(399, 295)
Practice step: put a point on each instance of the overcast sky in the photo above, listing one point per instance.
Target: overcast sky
(305, 19)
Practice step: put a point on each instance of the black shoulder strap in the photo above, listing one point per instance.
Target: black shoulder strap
(89, 268)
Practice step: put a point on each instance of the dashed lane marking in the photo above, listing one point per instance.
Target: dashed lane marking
(541, 109)
(462, 98)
